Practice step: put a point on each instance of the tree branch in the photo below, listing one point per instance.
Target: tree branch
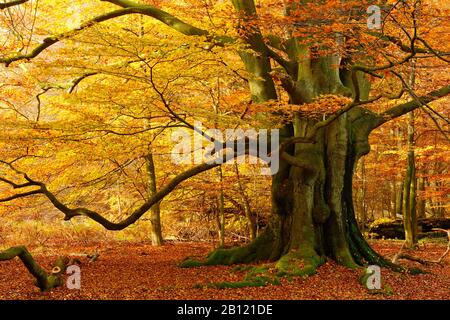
(21, 195)
(157, 197)
(78, 80)
(70, 213)
(11, 4)
(162, 16)
(45, 281)
(129, 8)
(398, 42)
(49, 41)
(404, 108)
(16, 185)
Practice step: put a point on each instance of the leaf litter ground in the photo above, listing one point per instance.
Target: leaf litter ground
(139, 271)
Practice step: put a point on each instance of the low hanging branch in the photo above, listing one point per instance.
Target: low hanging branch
(402, 255)
(70, 213)
(45, 281)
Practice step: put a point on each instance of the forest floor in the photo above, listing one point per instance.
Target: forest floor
(140, 271)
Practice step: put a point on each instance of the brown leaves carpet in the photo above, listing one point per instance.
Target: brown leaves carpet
(140, 271)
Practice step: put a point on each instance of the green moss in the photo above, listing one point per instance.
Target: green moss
(230, 256)
(415, 271)
(380, 221)
(257, 250)
(388, 290)
(345, 258)
(191, 263)
(256, 277)
(298, 264)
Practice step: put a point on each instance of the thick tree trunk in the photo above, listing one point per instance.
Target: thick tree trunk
(313, 217)
(410, 184)
(312, 206)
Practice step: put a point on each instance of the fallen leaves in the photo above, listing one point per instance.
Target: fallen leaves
(139, 271)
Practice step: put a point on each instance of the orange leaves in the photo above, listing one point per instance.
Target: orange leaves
(139, 271)
(323, 106)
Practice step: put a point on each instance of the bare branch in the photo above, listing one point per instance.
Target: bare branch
(12, 4)
(78, 80)
(157, 197)
(21, 195)
(402, 255)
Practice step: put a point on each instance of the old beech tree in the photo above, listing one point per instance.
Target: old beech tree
(297, 53)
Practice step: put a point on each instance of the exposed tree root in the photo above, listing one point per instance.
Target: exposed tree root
(259, 249)
(363, 252)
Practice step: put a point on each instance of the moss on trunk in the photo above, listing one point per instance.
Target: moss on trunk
(312, 206)
(313, 217)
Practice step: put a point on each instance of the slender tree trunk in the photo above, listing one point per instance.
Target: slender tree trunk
(410, 184)
(399, 198)
(221, 210)
(409, 203)
(399, 181)
(155, 211)
(421, 202)
(392, 200)
(247, 208)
